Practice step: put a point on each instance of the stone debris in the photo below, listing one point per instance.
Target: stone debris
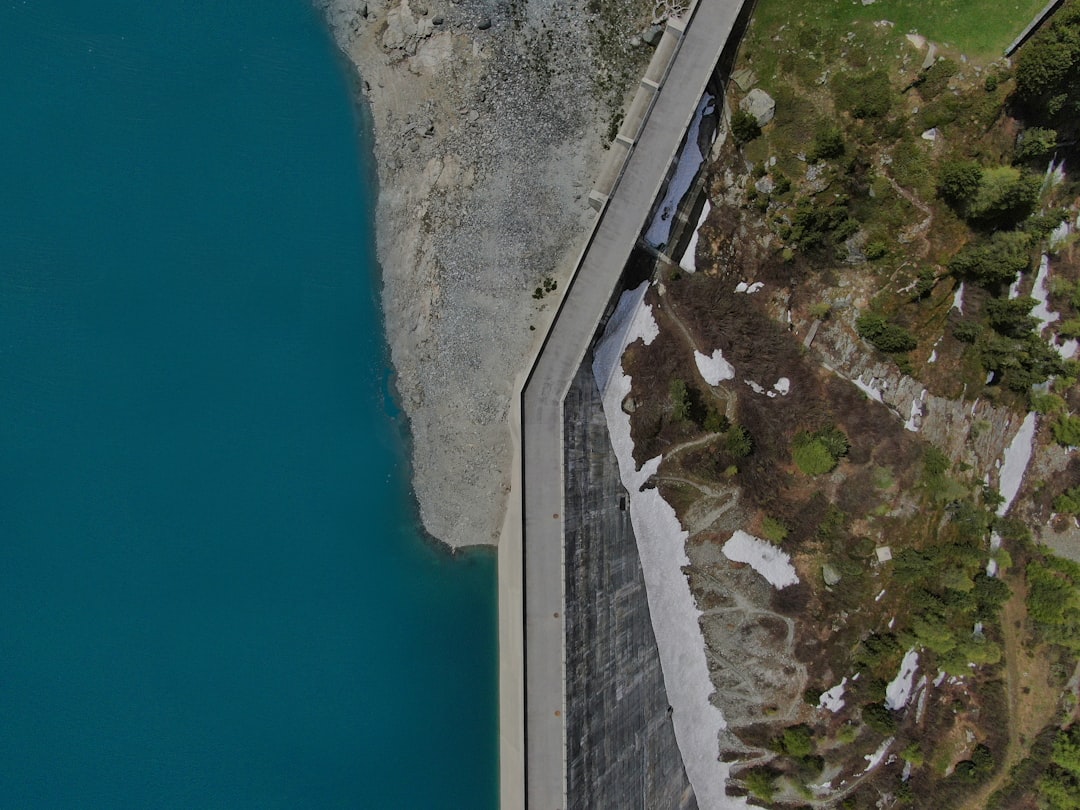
(760, 105)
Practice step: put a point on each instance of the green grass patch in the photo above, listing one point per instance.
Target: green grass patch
(976, 28)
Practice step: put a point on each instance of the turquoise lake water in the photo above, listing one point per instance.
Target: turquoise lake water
(213, 593)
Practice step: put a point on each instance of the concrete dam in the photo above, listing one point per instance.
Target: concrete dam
(595, 728)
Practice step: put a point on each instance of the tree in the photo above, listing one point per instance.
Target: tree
(1010, 317)
(884, 336)
(744, 127)
(993, 262)
(739, 442)
(1048, 71)
(879, 718)
(958, 183)
(1005, 198)
(1035, 144)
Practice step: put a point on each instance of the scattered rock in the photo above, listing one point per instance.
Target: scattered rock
(484, 24)
(745, 78)
(930, 135)
(828, 573)
(760, 105)
(437, 20)
(651, 35)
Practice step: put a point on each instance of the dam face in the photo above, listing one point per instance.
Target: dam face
(620, 743)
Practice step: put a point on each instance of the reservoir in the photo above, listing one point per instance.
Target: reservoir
(213, 589)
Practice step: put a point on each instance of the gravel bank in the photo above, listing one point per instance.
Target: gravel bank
(487, 137)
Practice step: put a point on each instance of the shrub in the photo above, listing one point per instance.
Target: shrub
(869, 95)
(876, 250)
(1069, 328)
(935, 462)
(796, 741)
(680, 400)
(884, 336)
(716, 422)
(813, 458)
(879, 718)
(1046, 403)
(744, 127)
(1035, 144)
(828, 144)
(773, 530)
(759, 781)
(1068, 502)
(967, 331)
(1067, 430)
(936, 78)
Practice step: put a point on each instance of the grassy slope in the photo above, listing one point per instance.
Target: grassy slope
(977, 28)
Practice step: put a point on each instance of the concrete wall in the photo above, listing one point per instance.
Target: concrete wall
(621, 749)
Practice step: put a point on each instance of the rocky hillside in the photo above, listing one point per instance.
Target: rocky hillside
(490, 121)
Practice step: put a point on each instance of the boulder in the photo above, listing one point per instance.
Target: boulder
(760, 105)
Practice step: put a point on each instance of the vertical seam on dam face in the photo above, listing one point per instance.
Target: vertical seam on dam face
(550, 687)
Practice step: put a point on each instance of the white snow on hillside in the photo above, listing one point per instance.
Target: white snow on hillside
(898, 692)
(918, 410)
(1041, 293)
(958, 299)
(749, 289)
(833, 699)
(690, 160)
(763, 557)
(1014, 463)
(874, 759)
(688, 262)
(868, 389)
(661, 547)
(714, 368)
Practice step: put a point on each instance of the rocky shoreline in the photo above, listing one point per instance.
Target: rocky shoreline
(489, 123)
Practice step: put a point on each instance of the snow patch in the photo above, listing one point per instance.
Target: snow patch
(714, 368)
(1041, 293)
(763, 557)
(1014, 463)
(958, 299)
(755, 387)
(749, 289)
(661, 547)
(688, 262)
(868, 389)
(874, 759)
(690, 160)
(833, 699)
(918, 410)
(782, 386)
(898, 692)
